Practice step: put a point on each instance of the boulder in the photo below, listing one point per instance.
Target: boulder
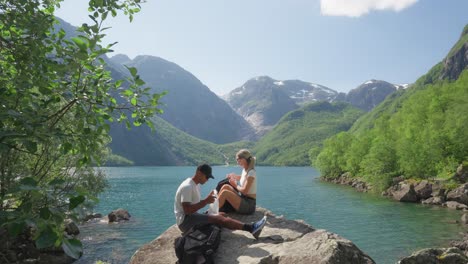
(405, 193)
(71, 228)
(436, 256)
(459, 194)
(281, 241)
(423, 190)
(91, 217)
(118, 215)
(437, 200)
(455, 205)
(437, 189)
(464, 218)
(462, 173)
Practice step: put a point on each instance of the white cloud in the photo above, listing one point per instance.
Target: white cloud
(356, 8)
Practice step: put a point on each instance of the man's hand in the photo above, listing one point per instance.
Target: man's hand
(210, 198)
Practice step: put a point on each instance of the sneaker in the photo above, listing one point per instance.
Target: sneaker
(258, 226)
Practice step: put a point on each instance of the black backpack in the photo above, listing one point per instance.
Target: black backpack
(198, 245)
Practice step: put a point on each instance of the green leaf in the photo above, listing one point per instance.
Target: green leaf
(56, 181)
(133, 101)
(16, 228)
(44, 213)
(133, 71)
(31, 146)
(66, 147)
(75, 201)
(128, 92)
(73, 248)
(118, 83)
(80, 43)
(46, 238)
(139, 82)
(28, 184)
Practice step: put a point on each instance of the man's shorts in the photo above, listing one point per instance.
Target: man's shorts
(191, 220)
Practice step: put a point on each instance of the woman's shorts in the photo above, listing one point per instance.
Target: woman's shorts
(247, 205)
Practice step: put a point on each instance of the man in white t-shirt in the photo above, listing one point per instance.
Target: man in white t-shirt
(188, 202)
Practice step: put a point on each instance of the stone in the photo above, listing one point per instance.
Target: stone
(282, 241)
(464, 218)
(459, 194)
(118, 215)
(423, 190)
(405, 193)
(436, 256)
(434, 201)
(71, 228)
(455, 205)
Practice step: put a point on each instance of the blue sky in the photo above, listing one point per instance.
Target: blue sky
(336, 43)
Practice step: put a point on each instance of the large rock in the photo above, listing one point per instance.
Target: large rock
(282, 241)
(423, 190)
(118, 215)
(436, 256)
(459, 194)
(405, 193)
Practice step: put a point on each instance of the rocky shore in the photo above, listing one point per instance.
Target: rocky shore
(282, 241)
(429, 193)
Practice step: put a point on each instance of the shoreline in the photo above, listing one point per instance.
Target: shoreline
(404, 191)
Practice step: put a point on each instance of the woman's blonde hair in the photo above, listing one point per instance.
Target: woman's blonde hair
(245, 154)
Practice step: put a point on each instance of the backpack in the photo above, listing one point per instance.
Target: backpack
(198, 245)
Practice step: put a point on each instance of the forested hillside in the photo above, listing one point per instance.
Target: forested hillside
(418, 133)
(169, 146)
(289, 143)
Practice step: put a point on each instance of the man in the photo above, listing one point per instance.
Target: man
(187, 203)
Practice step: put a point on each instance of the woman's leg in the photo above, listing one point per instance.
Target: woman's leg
(228, 194)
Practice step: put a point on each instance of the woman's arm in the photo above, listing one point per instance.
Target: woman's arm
(245, 189)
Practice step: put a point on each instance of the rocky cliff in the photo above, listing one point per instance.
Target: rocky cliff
(282, 241)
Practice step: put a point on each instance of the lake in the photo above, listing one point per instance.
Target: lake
(384, 229)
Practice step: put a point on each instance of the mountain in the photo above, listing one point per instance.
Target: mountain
(189, 105)
(262, 101)
(168, 146)
(299, 131)
(371, 93)
(304, 92)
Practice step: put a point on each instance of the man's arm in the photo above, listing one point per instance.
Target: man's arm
(190, 208)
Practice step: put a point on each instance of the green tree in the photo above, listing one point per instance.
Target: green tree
(56, 102)
(332, 160)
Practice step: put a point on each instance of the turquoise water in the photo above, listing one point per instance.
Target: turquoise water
(384, 229)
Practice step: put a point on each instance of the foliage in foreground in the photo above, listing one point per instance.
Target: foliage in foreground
(56, 103)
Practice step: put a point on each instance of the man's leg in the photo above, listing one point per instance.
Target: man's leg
(254, 228)
(226, 222)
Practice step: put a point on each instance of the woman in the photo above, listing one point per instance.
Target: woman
(241, 196)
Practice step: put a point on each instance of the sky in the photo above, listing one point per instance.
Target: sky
(336, 43)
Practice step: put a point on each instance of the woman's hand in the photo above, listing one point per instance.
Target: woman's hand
(233, 182)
